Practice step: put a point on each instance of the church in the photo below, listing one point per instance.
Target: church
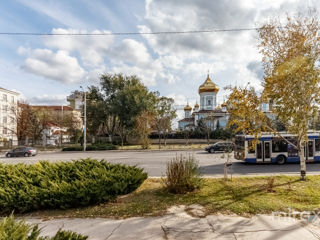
(213, 114)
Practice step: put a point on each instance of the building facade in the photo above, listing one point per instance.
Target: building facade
(209, 111)
(8, 116)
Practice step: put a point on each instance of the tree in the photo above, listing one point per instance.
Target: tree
(290, 58)
(144, 123)
(100, 119)
(164, 115)
(246, 117)
(116, 105)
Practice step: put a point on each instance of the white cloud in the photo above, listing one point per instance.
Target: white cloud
(58, 66)
(132, 52)
(48, 100)
(148, 76)
(92, 49)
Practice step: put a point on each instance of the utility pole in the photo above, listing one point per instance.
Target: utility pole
(85, 122)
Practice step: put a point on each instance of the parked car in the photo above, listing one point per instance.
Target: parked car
(22, 151)
(220, 147)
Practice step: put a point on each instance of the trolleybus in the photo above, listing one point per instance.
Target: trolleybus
(271, 148)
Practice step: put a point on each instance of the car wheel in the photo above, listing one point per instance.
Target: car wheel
(211, 150)
(8, 155)
(27, 155)
(281, 160)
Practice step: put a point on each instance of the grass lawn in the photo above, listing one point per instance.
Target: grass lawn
(243, 196)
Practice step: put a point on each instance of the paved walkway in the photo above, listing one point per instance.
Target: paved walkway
(186, 223)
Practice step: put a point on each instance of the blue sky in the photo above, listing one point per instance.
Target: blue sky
(46, 69)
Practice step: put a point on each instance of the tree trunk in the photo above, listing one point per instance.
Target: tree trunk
(159, 136)
(165, 140)
(303, 168)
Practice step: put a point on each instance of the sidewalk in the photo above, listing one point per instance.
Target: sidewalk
(182, 223)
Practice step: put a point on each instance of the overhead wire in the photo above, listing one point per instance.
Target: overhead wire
(128, 33)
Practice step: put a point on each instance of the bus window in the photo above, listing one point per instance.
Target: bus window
(317, 142)
(239, 142)
(251, 146)
(292, 150)
(279, 145)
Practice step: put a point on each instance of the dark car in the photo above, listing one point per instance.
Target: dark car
(22, 151)
(220, 147)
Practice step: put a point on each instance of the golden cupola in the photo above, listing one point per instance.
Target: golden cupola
(187, 108)
(208, 86)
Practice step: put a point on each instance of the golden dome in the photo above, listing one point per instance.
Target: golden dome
(196, 105)
(187, 108)
(219, 107)
(208, 86)
(223, 104)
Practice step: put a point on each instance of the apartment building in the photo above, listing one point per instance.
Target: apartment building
(8, 109)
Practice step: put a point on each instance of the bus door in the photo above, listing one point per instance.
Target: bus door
(309, 151)
(264, 151)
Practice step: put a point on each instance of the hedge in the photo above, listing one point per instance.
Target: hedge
(64, 185)
(94, 147)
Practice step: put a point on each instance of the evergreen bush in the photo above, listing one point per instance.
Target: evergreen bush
(11, 229)
(64, 185)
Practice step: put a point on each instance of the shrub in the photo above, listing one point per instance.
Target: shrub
(65, 184)
(93, 147)
(182, 175)
(11, 229)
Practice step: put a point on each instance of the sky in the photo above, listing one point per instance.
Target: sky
(45, 69)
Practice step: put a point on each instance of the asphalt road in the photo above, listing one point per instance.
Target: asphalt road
(154, 162)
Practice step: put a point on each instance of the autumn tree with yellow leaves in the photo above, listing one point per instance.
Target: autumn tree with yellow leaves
(290, 51)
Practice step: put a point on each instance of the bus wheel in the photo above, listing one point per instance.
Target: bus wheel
(281, 159)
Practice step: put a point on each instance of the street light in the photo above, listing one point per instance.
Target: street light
(84, 120)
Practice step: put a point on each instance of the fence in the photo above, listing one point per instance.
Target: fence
(9, 144)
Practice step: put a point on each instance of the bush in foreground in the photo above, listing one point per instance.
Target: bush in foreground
(64, 185)
(182, 175)
(94, 147)
(11, 229)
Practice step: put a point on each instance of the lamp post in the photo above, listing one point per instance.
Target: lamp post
(84, 121)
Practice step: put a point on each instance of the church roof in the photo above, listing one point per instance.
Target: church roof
(187, 108)
(187, 120)
(208, 86)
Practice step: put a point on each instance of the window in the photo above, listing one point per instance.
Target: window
(5, 108)
(279, 145)
(11, 120)
(239, 142)
(5, 97)
(317, 142)
(209, 103)
(4, 120)
(4, 131)
(251, 146)
(292, 150)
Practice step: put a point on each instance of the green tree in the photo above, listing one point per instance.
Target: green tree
(115, 106)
